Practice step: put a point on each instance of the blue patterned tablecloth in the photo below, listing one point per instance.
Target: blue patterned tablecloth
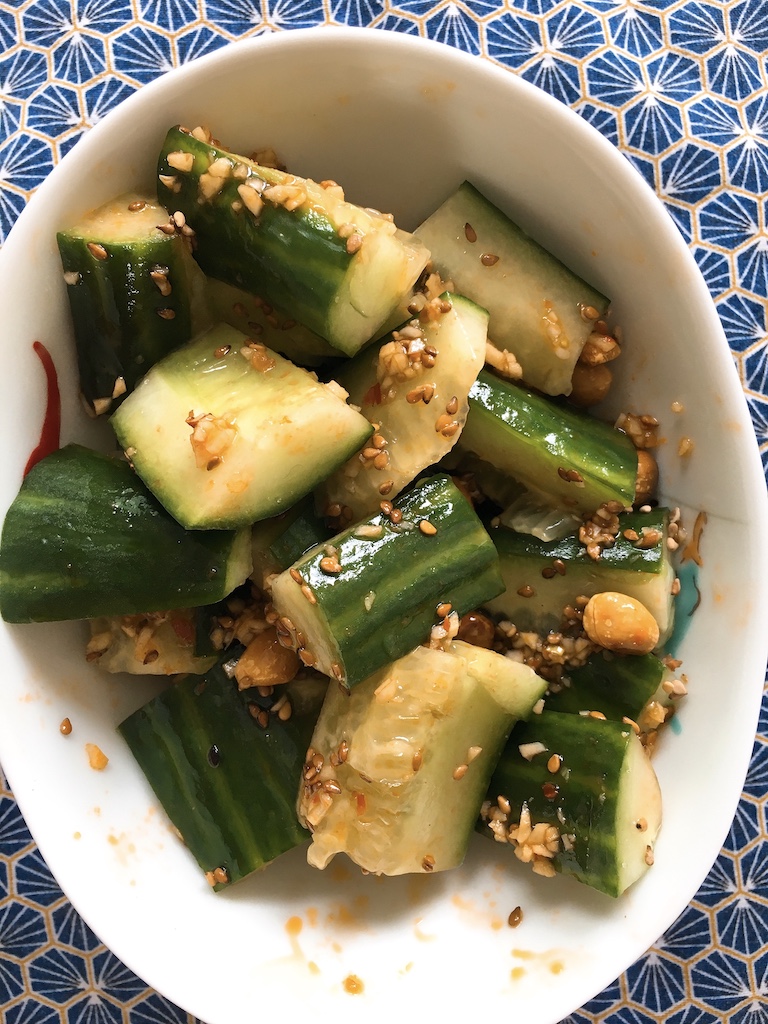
(681, 87)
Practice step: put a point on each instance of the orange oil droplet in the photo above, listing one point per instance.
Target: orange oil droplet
(353, 985)
(516, 973)
(294, 925)
(313, 968)
(557, 966)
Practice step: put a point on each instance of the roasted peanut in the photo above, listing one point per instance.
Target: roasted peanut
(647, 477)
(265, 662)
(476, 629)
(590, 384)
(620, 623)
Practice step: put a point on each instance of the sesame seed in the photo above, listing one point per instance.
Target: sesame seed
(214, 756)
(453, 406)
(296, 576)
(396, 516)
(386, 487)
(553, 764)
(221, 875)
(97, 250)
(550, 790)
(443, 610)
(460, 771)
(65, 728)
(381, 461)
(526, 591)
(427, 528)
(597, 714)
(307, 592)
(504, 804)
(166, 314)
(222, 351)
(428, 862)
(469, 233)
(417, 760)
(649, 855)
(489, 259)
(330, 564)
(137, 206)
(515, 918)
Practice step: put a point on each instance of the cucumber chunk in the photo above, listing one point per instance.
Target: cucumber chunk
(645, 574)
(155, 644)
(538, 307)
(576, 460)
(226, 432)
(603, 801)
(373, 598)
(227, 784)
(130, 288)
(407, 756)
(386, 381)
(276, 329)
(277, 543)
(81, 533)
(333, 266)
(618, 686)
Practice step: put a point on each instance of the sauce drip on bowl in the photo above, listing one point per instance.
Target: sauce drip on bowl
(50, 432)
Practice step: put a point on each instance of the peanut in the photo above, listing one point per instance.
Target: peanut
(647, 477)
(590, 384)
(477, 629)
(265, 662)
(620, 623)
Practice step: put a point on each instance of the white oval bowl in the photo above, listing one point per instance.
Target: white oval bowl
(400, 122)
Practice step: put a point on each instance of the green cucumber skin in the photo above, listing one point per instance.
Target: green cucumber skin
(530, 438)
(241, 814)
(594, 752)
(618, 687)
(81, 532)
(295, 260)
(277, 543)
(517, 289)
(409, 573)
(643, 573)
(118, 329)
(623, 556)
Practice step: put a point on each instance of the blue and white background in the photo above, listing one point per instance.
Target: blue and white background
(681, 87)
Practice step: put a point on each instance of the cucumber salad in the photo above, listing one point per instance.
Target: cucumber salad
(404, 586)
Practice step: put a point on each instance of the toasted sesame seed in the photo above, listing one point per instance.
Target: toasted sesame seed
(213, 463)
(559, 566)
(330, 564)
(443, 609)
(167, 314)
(221, 875)
(453, 406)
(337, 671)
(632, 723)
(396, 516)
(515, 917)
(262, 719)
(469, 233)
(649, 855)
(331, 786)
(417, 760)
(548, 572)
(307, 592)
(343, 751)
(65, 727)
(489, 259)
(97, 250)
(553, 764)
(571, 476)
(504, 804)
(381, 461)
(597, 714)
(386, 487)
(427, 528)
(526, 591)
(428, 862)
(296, 576)
(460, 771)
